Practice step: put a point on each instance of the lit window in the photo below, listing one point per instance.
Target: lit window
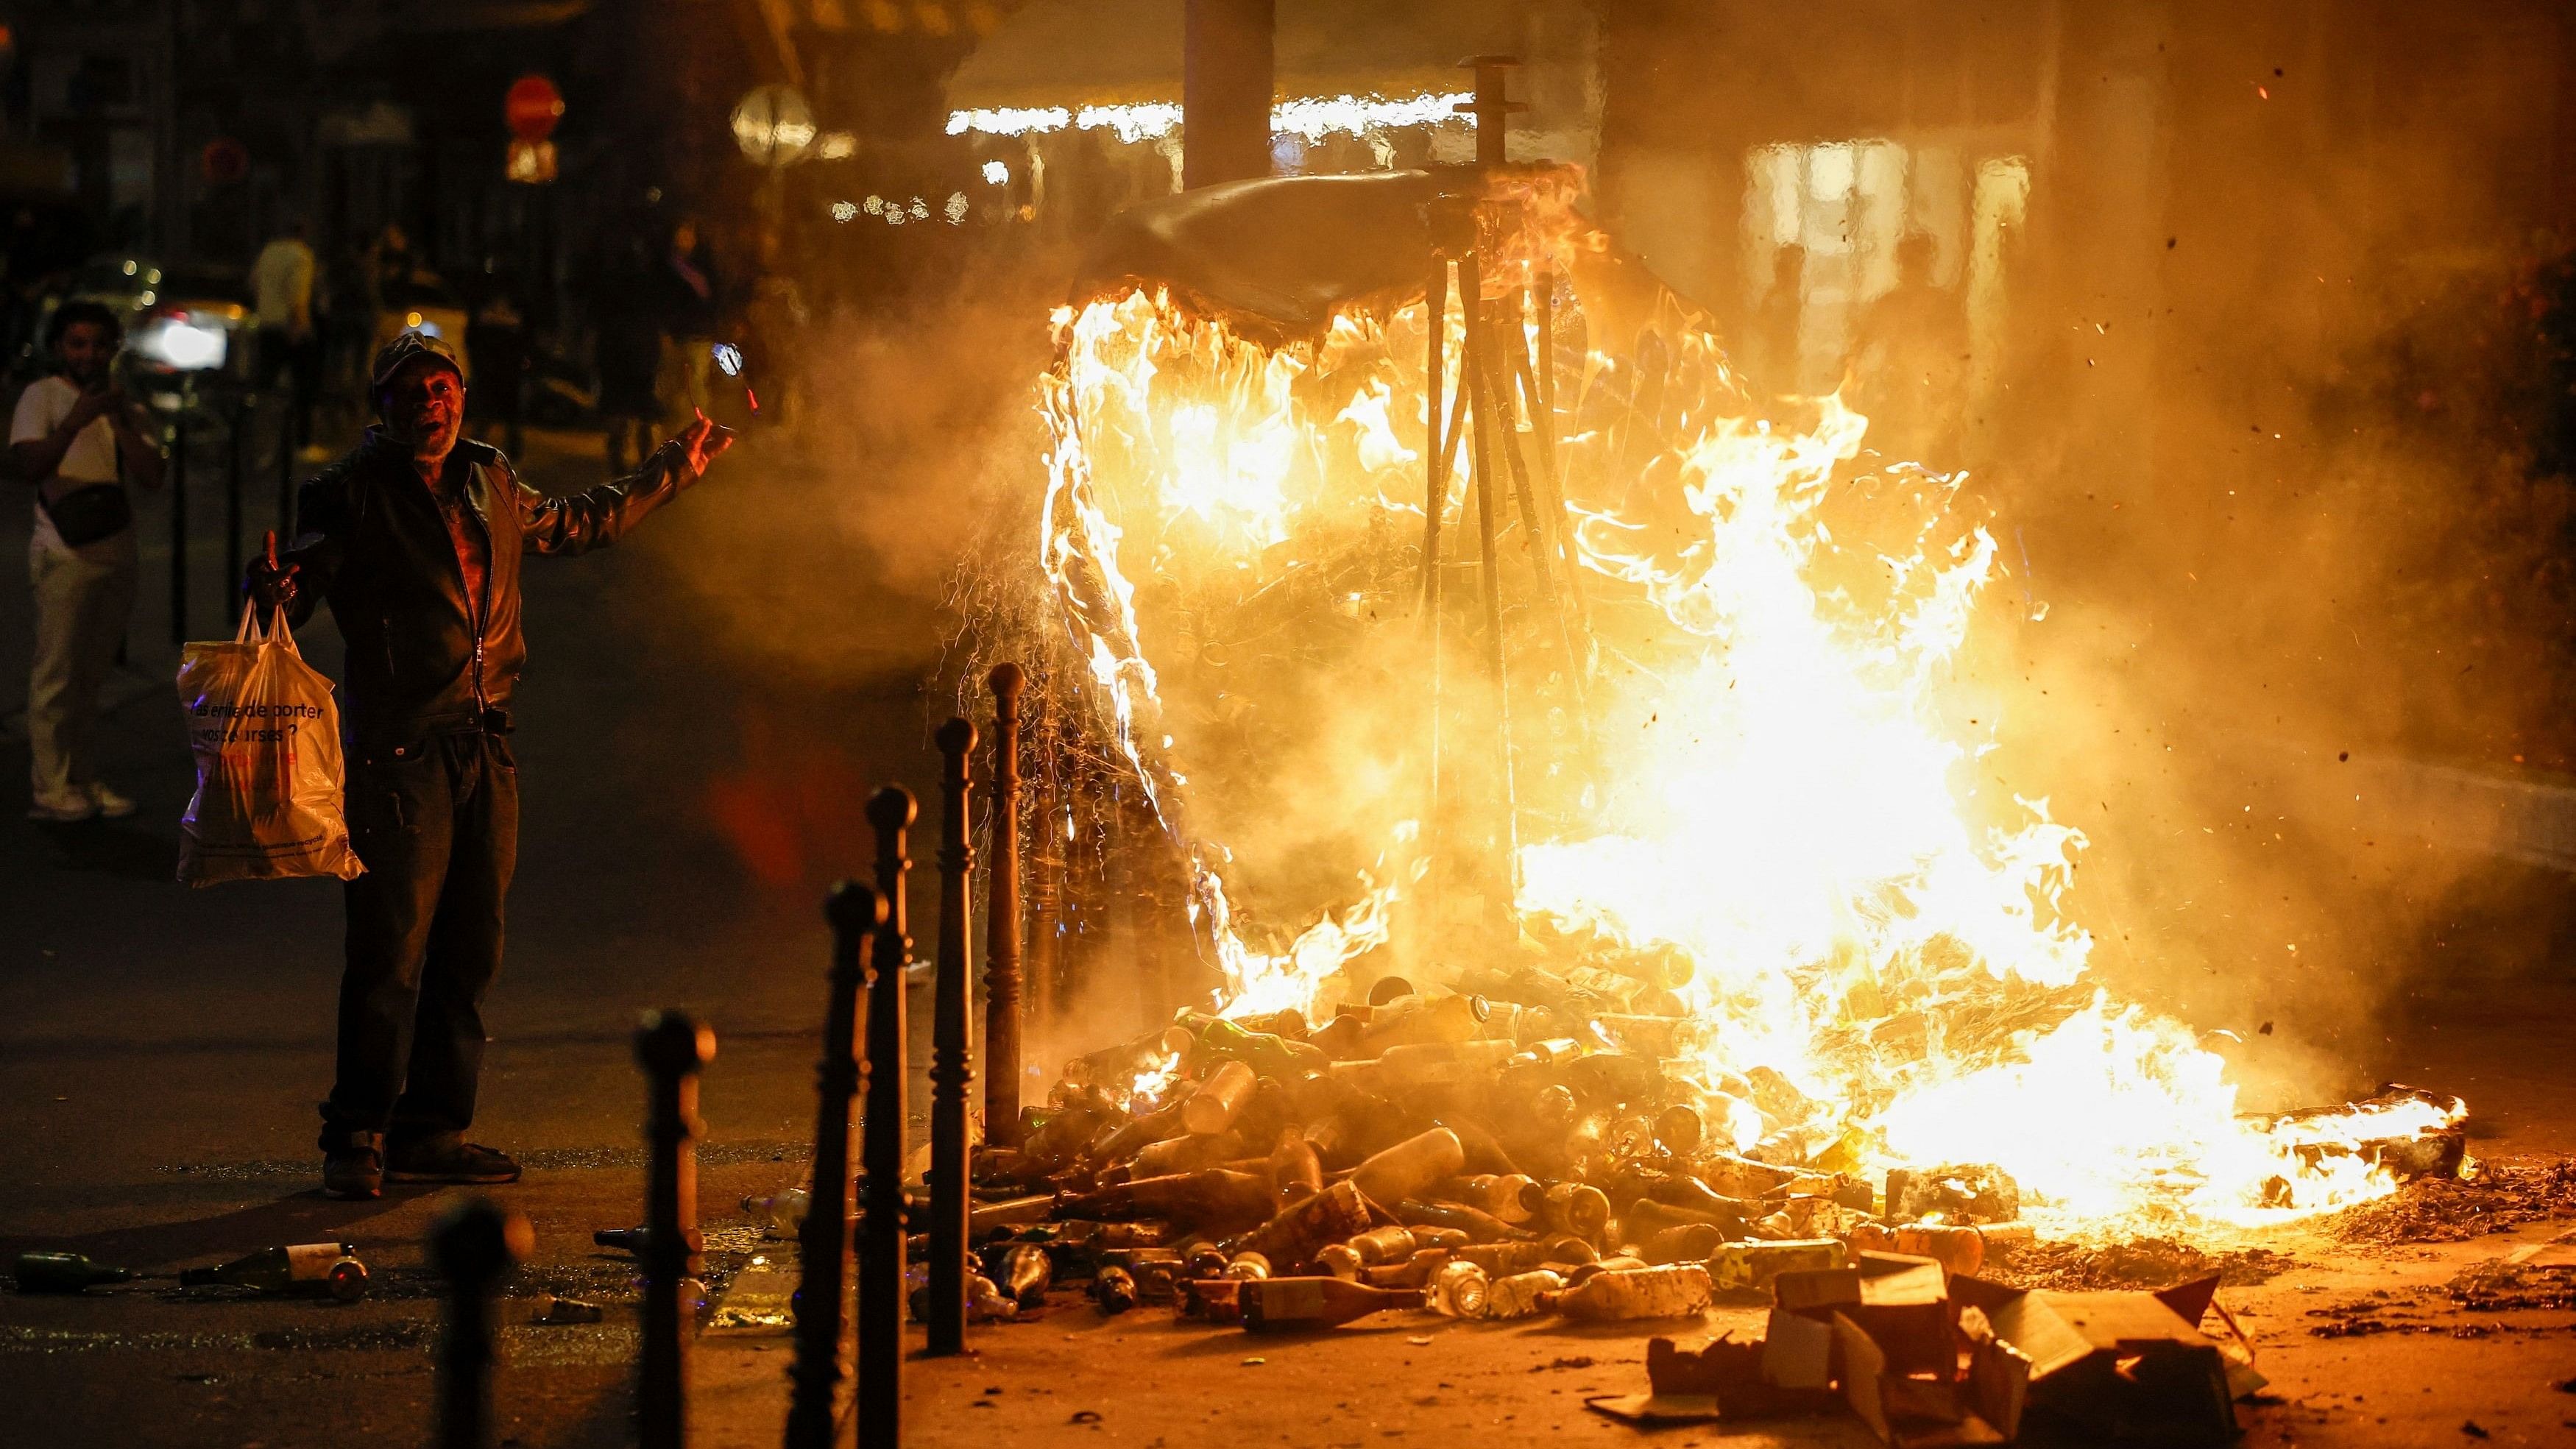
(1890, 251)
(844, 210)
(997, 173)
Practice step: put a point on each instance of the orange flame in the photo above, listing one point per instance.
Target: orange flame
(1789, 807)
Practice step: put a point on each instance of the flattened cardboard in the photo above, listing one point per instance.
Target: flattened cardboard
(1998, 1374)
(2114, 1368)
(1904, 1412)
(1733, 1374)
(1656, 1408)
(1798, 1351)
(1901, 1301)
(1862, 1367)
(1807, 1290)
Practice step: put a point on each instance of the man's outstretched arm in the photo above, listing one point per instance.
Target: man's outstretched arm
(594, 517)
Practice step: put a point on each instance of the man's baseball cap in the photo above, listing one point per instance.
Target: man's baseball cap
(407, 345)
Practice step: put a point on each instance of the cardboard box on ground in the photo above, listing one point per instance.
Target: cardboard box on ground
(1929, 1361)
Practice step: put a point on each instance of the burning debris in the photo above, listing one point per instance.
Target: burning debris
(1414, 566)
(1402, 1156)
(2136, 1263)
(2496, 1197)
(1770, 927)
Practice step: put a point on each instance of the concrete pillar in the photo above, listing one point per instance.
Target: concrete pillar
(1226, 80)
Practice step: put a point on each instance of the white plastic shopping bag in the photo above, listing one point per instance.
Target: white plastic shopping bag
(267, 741)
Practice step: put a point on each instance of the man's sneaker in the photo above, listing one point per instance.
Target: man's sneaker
(353, 1174)
(448, 1160)
(69, 809)
(111, 805)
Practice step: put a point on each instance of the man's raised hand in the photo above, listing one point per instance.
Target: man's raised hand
(702, 442)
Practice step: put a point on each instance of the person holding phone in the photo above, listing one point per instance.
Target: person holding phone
(77, 438)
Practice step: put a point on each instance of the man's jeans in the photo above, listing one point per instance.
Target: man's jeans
(84, 596)
(437, 823)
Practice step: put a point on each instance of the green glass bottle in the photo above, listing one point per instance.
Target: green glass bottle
(1267, 1055)
(1281, 1305)
(624, 1240)
(65, 1273)
(324, 1269)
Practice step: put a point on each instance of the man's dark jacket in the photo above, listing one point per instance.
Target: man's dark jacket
(373, 542)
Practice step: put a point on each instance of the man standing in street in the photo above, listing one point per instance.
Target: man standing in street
(76, 438)
(415, 539)
(281, 283)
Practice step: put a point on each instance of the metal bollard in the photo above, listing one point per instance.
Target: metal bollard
(286, 473)
(952, 1064)
(1002, 920)
(1041, 964)
(233, 515)
(881, 1294)
(178, 475)
(673, 1048)
(855, 913)
(475, 1245)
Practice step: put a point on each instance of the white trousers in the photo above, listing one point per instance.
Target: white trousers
(84, 598)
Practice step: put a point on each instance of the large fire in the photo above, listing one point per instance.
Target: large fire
(1752, 785)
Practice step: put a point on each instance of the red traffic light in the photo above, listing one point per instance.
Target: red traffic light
(533, 107)
(225, 160)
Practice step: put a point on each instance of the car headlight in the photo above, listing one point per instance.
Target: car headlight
(183, 344)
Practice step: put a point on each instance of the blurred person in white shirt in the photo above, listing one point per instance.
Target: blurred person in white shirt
(77, 438)
(282, 290)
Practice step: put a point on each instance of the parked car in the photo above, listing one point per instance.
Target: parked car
(184, 324)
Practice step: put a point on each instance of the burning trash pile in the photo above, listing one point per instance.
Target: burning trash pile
(1609, 729)
(1411, 1153)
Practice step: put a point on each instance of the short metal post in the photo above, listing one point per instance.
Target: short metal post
(475, 1245)
(1002, 919)
(233, 511)
(952, 1062)
(855, 914)
(179, 523)
(673, 1048)
(1043, 964)
(881, 1307)
(286, 445)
